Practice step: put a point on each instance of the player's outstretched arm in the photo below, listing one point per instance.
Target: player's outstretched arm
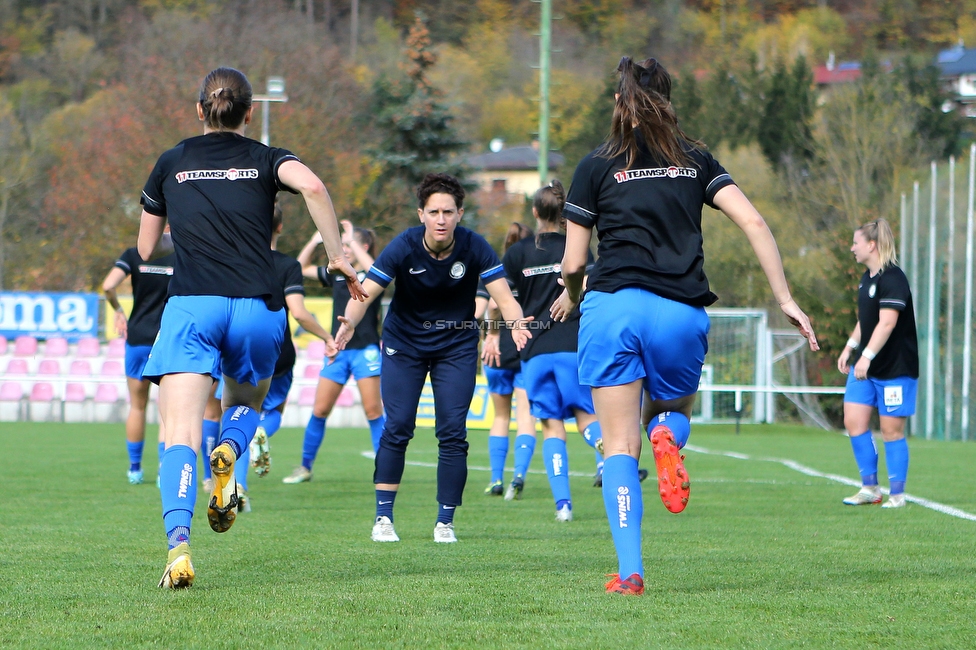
(296, 307)
(501, 293)
(355, 310)
(109, 285)
(740, 210)
(309, 269)
(152, 242)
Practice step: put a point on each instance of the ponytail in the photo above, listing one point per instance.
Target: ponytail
(225, 97)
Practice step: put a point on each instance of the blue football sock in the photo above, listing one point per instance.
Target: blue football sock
(445, 514)
(524, 448)
(592, 433)
(162, 450)
(599, 461)
(497, 453)
(625, 509)
(314, 434)
(241, 466)
(178, 489)
(271, 421)
(677, 422)
(866, 456)
(211, 431)
(896, 457)
(557, 467)
(384, 503)
(135, 455)
(237, 427)
(376, 431)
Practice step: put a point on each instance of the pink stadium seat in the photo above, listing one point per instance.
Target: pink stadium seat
(25, 346)
(75, 393)
(307, 396)
(315, 349)
(56, 347)
(80, 368)
(17, 367)
(11, 391)
(116, 349)
(3, 344)
(88, 347)
(42, 391)
(346, 398)
(106, 393)
(49, 367)
(113, 368)
(312, 370)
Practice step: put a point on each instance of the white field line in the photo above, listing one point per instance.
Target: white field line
(792, 464)
(809, 471)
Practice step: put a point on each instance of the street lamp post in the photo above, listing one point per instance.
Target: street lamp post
(276, 93)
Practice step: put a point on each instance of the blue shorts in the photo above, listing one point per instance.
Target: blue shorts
(136, 357)
(635, 334)
(503, 382)
(214, 335)
(892, 397)
(552, 383)
(362, 363)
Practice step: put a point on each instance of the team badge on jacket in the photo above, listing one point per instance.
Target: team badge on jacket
(457, 271)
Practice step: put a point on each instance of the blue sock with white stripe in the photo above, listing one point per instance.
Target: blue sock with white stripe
(314, 435)
(557, 468)
(497, 453)
(376, 431)
(135, 455)
(445, 514)
(237, 427)
(677, 422)
(211, 431)
(524, 448)
(866, 457)
(178, 490)
(384, 503)
(625, 509)
(593, 433)
(271, 421)
(896, 458)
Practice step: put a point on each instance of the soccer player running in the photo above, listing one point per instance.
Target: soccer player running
(643, 324)
(503, 371)
(361, 357)
(881, 364)
(225, 313)
(289, 274)
(150, 284)
(430, 328)
(549, 361)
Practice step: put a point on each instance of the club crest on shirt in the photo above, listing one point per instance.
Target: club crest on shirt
(457, 271)
(655, 172)
(871, 290)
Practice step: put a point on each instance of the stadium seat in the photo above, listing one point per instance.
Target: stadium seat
(25, 346)
(113, 368)
(17, 367)
(56, 347)
(307, 396)
(11, 398)
(3, 344)
(80, 368)
(312, 370)
(315, 349)
(106, 403)
(49, 367)
(88, 347)
(346, 398)
(40, 404)
(116, 349)
(76, 406)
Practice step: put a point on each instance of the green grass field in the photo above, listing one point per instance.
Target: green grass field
(764, 556)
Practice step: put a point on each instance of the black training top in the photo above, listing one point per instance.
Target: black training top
(432, 310)
(889, 289)
(367, 332)
(218, 191)
(648, 220)
(533, 265)
(508, 353)
(150, 284)
(289, 274)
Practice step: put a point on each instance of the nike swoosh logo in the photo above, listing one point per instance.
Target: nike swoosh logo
(383, 503)
(416, 272)
(892, 408)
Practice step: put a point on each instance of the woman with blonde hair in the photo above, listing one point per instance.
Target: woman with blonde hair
(881, 364)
